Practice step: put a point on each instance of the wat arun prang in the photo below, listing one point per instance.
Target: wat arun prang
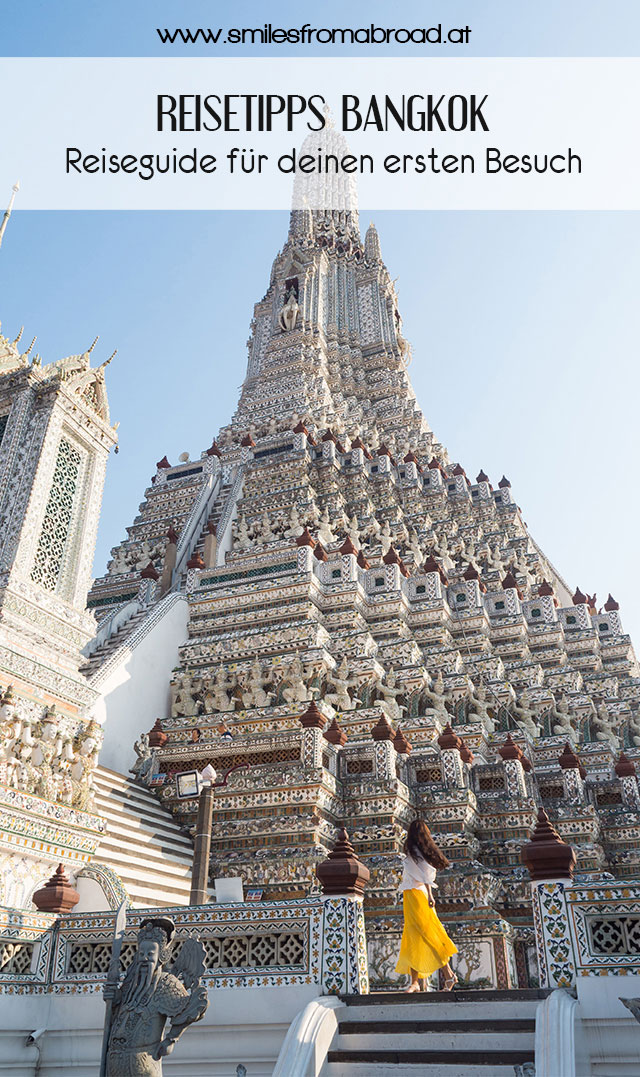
(374, 632)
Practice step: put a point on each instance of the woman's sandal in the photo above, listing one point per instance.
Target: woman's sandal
(450, 982)
(411, 988)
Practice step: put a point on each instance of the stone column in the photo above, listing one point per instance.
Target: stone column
(202, 848)
(313, 722)
(343, 878)
(210, 546)
(169, 563)
(512, 755)
(625, 769)
(550, 863)
(450, 744)
(571, 774)
(385, 755)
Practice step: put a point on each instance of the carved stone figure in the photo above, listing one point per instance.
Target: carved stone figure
(255, 694)
(325, 534)
(480, 705)
(242, 536)
(220, 691)
(296, 690)
(603, 726)
(149, 997)
(560, 719)
(88, 742)
(143, 766)
(341, 682)
(289, 313)
(295, 527)
(389, 704)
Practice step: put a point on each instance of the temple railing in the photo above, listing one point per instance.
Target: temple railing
(586, 930)
(310, 941)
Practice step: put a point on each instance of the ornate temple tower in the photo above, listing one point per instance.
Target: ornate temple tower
(373, 633)
(55, 436)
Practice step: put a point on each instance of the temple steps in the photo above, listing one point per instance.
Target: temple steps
(142, 843)
(99, 656)
(434, 1034)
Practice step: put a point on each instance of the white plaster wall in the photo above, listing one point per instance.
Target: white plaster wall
(136, 692)
(242, 1025)
(610, 1035)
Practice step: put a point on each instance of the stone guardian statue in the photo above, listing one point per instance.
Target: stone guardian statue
(150, 997)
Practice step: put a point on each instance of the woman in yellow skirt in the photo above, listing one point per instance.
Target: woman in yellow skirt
(425, 944)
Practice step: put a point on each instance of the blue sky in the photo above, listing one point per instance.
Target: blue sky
(524, 326)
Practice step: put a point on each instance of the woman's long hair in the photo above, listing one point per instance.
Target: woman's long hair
(419, 845)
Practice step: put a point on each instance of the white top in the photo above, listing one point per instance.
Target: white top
(417, 875)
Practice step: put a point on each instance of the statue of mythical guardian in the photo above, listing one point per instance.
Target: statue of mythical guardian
(137, 1035)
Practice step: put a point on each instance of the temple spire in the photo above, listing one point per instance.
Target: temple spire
(7, 212)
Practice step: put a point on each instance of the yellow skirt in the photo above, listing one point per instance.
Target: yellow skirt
(425, 944)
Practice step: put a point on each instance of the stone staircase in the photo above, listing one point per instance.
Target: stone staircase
(435, 1034)
(110, 645)
(142, 843)
(214, 518)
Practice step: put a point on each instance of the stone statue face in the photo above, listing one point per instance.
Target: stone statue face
(144, 966)
(149, 951)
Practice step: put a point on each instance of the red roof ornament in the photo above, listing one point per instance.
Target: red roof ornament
(546, 855)
(510, 750)
(448, 739)
(611, 606)
(625, 767)
(313, 718)
(320, 552)
(157, 737)
(382, 729)
(359, 444)
(149, 572)
(211, 527)
(342, 872)
(400, 743)
(163, 463)
(578, 597)
(172, 535)
(335, 734)
(347, 547)
(481, 477)
(466, 754)
(510, 582)
(569, 760)
(300, 428)
(57, 895)
(459, 470)
(431, 565)
(196, 560)
(411, 458)
(305, 539)
(247, 442)
(545, 589)
(504, 483)
(362, 561)
(214, 450)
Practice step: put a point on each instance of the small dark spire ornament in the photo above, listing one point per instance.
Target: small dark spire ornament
(342, 873)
